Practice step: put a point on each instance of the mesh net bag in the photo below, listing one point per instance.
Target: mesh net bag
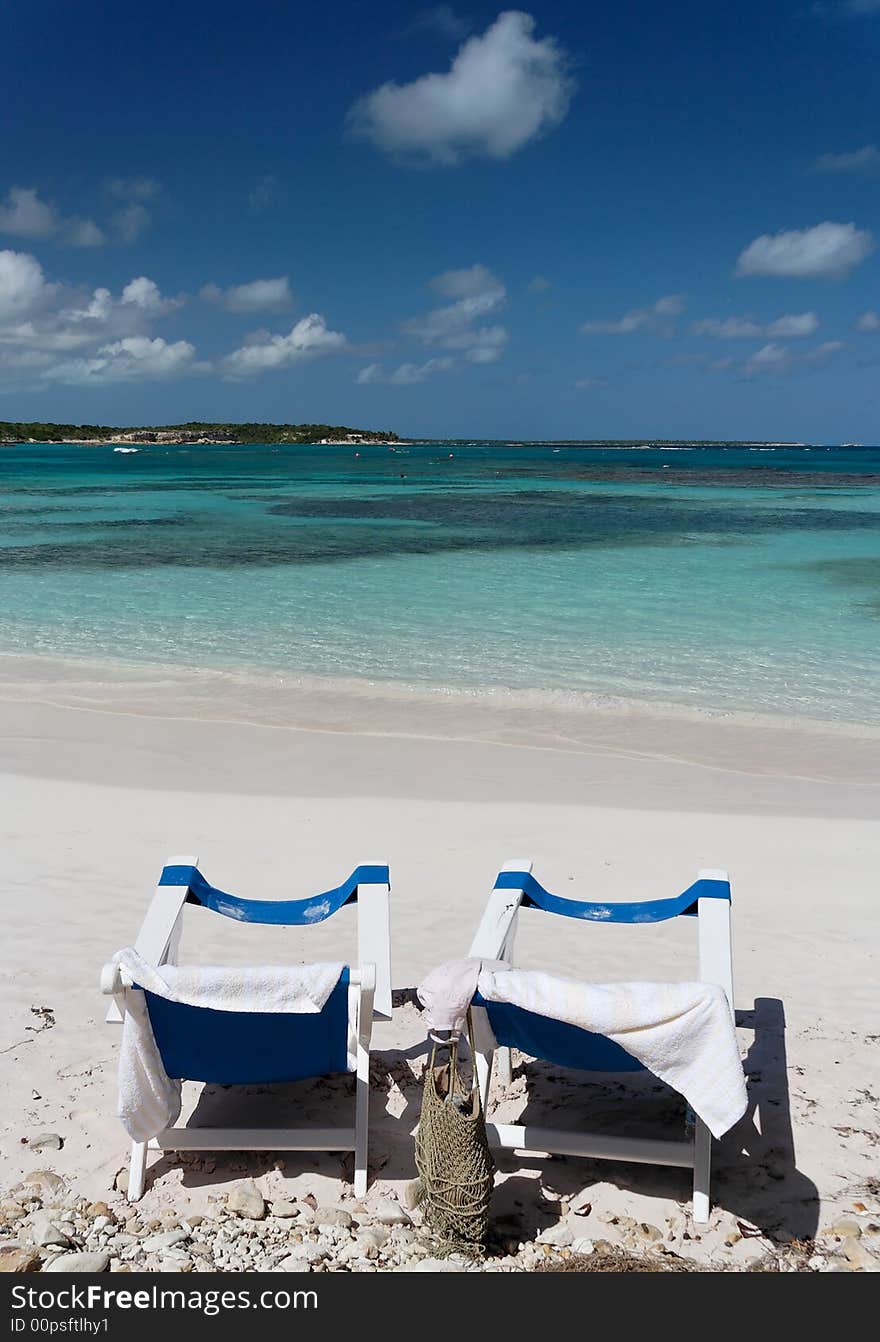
(452, 1153)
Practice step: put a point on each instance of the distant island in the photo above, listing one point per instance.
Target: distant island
(192, 432)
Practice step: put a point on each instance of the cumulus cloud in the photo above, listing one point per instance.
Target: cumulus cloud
(25, 215)
(745, 328)
(71, 335)
(134, 358)
(654, 319)
(406, 375)
(144, 293)
(131, 222)
(869, 321)
(864, 160)
(23, 286)
(308, 339)
(503, 89)
(133, 218)
(775, 358)
(477, 294)
(828, 251)
(256, 296)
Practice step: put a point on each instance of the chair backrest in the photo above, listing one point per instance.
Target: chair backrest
(368, 886)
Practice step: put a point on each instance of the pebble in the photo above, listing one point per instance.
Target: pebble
(45, 1141)
(285, 1209)
(858, 1256)
(14, 1258)
(390, 1213)
(247, 1200)
(79, 1262)
(44, 1231)
(333, 1216)
(164, 1240)
(48, 1180)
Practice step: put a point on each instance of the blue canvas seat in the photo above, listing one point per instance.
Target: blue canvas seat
(502, 1026)
(232, 1047)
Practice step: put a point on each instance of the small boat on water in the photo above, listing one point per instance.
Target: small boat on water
(126, 449)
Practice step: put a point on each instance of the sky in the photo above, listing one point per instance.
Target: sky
(570, 220)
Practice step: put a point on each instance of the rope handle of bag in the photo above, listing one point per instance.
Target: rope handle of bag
(451, 1042)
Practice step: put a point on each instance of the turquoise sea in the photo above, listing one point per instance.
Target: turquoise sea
(716, 578)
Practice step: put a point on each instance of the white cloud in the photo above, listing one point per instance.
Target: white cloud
(744, 328)
(502, 90)
(406, 375)
(97, 336)
(25, 215)
(653, 319)
(828, 250)
(769, 358)
(869, 321)
(23, 286)
(131, 222)
(539, 284)
(774, 358)
(477, 294)
(256, 296)
(134, 358)
(585, 383)
(308, 339)
(864, 160)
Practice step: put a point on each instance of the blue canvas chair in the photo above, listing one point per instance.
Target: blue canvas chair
(565, 1045)
(246, 1048)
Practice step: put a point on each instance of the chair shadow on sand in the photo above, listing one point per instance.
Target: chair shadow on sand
(754, 1171)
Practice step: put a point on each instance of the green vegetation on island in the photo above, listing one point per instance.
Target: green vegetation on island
(192, 432)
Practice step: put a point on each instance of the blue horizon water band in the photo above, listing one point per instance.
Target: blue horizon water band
(282, 912)
(645, 911)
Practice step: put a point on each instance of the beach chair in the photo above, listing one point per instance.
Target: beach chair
(228, 1048)
(565, 1045)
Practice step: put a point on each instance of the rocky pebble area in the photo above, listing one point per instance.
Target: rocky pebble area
(45, 1226)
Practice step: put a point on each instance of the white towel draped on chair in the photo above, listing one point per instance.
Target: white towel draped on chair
(682, 1032)
(149, 1100)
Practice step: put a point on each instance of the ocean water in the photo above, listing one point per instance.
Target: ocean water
(723, 579)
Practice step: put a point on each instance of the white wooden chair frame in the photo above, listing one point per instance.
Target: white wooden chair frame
(369, 998)
(495, 940)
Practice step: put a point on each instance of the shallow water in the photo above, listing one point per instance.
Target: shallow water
(716, 578)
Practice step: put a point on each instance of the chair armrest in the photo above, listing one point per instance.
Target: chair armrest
(494, 936)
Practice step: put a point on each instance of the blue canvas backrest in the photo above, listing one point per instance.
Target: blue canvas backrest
(282, 913)
(645, 911)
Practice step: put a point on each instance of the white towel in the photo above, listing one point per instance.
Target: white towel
(149, 1100)
(682, 1032)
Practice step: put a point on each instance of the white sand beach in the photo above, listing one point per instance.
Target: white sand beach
(94, 801)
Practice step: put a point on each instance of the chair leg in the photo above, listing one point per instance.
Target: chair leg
(361, 1121)
(702, 1171)
(137, 1171)
(483, 1065)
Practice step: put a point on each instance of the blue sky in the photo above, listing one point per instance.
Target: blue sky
(568, 220)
